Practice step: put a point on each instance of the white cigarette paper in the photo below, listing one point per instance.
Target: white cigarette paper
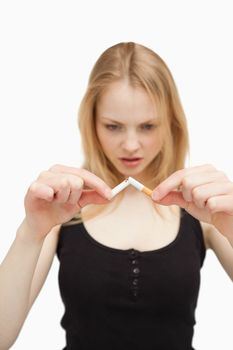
(120, 187)
(136, 184)
(140, 186)
(133, 182)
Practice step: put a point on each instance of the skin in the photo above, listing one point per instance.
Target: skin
(204, 191)
(133, 135)
(54, 197)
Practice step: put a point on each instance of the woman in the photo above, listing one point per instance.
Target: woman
(130, 265)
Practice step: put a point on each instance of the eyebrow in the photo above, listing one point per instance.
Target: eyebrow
(146, 122)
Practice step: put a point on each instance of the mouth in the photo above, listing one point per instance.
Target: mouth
(131, 162)
(131, 159)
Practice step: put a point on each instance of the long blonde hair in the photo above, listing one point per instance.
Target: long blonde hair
(140, 66)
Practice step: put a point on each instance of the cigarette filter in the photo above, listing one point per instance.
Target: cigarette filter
(140, 186)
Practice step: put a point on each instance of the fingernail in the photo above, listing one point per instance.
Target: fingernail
(108, 194)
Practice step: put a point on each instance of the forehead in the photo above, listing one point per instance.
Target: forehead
(121, 101)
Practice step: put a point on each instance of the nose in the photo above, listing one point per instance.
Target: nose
(131, 142)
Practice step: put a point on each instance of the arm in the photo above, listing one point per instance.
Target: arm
(51, 200)
(207, 194)
(230, 240)
(22, 275)
(222, 247)
(16, 272)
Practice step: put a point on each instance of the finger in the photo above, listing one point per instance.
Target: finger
(40, 191)
(45, 175)
(202, 167)
(174, 198)
(174, 181)
(90, 180)
(62, 186)
(196, 179)
(221, 204)
(62, 195)
(202, 193)
(74, 196)
(91, 197)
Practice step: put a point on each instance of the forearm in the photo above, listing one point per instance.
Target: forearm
(16, 273)
(230, 240)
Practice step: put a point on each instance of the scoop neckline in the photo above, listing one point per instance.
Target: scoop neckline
(88, 236)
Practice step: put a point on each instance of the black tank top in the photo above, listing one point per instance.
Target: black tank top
(129, 299)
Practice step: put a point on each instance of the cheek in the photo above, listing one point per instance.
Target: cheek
(154, 143)
(107, 142)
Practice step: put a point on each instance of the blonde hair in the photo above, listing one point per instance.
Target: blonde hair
(141, 67)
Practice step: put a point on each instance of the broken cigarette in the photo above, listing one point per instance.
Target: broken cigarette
(133, 182)
(120, 187)
(140, 186)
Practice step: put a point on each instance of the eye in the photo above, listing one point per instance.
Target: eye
(111, 126)
(148, 126)
(114, 127)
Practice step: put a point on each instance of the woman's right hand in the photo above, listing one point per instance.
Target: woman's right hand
(58, 194)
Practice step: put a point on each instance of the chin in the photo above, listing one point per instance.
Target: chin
(131, 172)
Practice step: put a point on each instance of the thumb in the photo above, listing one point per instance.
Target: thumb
(173, 197)
(91, 197)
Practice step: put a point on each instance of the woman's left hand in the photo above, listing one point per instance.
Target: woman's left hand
(204, 192)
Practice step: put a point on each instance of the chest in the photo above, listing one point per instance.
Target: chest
(94, 273)
(142, 231)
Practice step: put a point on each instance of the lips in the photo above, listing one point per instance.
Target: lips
(131, 162)
(135, 158)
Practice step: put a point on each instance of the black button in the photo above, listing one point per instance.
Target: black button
(133, 254)
(134, 292)
(134, 262)
(136, 270)
(135, 281)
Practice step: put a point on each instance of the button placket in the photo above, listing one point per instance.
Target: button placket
(134, 262)
(135, 273)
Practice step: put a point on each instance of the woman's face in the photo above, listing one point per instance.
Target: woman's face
(127, 126)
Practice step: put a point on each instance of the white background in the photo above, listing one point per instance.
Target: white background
(47, 51)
